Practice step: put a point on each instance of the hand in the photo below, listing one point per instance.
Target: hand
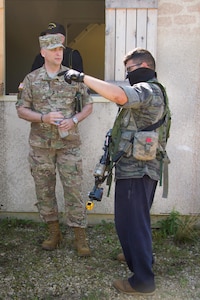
(53, 117)
(73, 75)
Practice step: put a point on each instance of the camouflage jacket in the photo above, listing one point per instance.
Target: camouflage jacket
(145, 107)
(44, 94)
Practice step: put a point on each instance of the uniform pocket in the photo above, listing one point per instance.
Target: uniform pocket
(145, 145)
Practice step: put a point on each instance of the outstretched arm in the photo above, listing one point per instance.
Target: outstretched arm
(107, 90)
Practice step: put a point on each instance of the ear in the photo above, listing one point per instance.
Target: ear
(144, 65)
(42, 52)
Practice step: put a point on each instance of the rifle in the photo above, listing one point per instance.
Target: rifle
(101, 172)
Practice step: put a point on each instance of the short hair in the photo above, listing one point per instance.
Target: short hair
(140, 55)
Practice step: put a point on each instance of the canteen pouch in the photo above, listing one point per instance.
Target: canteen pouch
(145, 145)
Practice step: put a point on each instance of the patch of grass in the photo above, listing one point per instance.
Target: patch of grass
(187, 230)
(169, 226)
(181, 228)
(183, 282)
(12, 223)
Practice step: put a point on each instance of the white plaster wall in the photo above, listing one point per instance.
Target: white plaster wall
(19, 185)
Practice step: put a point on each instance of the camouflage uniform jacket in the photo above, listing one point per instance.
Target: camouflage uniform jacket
(43, 94)
(144, 107)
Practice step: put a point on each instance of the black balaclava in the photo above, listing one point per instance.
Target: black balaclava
(140, 75)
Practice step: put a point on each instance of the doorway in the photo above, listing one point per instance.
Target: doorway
(83, 20)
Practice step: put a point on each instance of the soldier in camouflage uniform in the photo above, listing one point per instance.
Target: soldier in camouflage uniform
(71, 57)
(142, 105)
(49, 104)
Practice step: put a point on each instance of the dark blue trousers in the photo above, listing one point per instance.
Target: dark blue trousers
(133, 201)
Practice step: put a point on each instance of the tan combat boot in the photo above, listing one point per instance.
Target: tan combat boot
(55, 236)
(80, 242)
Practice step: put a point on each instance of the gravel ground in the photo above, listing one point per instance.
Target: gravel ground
(27, 272)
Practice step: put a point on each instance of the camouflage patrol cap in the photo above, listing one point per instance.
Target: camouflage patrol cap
(50, 41)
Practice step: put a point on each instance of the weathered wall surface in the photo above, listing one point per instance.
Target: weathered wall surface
(178, 66)
(17, 193)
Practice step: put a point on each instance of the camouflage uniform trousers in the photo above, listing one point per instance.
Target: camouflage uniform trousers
(43, 164)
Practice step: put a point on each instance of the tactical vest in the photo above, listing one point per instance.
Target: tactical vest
(163, 126)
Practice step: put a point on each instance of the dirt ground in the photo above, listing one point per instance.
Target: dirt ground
(27, 272)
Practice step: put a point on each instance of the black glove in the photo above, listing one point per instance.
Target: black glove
(73, 75)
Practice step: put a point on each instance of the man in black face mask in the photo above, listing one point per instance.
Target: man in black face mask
(142, 104)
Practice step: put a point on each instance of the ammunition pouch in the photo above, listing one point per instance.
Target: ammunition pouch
(145, 145)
